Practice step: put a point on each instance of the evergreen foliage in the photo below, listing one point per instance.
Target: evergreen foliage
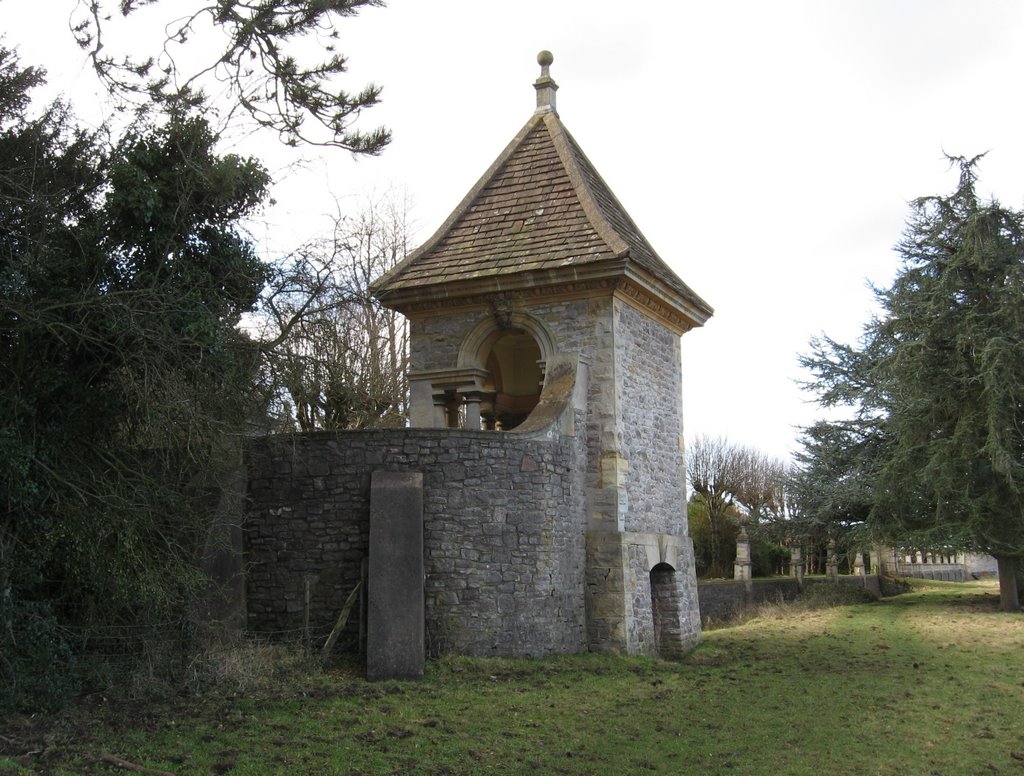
(714, 548)
(123, 277)
(934, 453)
(276, 60)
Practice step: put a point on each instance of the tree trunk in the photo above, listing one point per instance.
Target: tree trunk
(1008, 601)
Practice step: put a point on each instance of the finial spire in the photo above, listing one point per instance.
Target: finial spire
(545, 85)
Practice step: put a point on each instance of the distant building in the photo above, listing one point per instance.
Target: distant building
(941, 564)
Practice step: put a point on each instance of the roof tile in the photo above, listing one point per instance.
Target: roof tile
(541, 206)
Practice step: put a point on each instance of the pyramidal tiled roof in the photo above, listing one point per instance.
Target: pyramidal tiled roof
(541, 215)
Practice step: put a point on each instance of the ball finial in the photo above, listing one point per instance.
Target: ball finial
(545, 84)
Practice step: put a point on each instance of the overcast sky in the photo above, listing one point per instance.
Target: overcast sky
(768, 150)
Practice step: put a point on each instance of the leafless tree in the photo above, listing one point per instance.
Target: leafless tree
(739, 484)
(714, 473)
(755, 483)
(336, 359)
(764, 491)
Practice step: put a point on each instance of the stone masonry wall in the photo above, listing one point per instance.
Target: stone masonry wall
(435, 339)
(585, 326)
(503, 534)
(582, 326)
(632, 466)
(649, 382)
(639, 602)
(946, 572)
(623, 614)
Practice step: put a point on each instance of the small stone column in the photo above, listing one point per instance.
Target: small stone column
(858, 565)
(832, 564)
(440, 413)
(742, 569)
(473, 399)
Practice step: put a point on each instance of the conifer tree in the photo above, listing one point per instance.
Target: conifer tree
(938, 384)
(123, 277)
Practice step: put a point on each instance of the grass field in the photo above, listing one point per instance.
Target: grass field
(930, 682)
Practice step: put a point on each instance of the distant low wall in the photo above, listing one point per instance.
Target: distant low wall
(724, 599)
(944, 572)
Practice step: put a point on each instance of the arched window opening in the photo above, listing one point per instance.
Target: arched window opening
(515, 378)
(497, 379)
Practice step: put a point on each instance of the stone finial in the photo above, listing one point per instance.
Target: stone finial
(858, 565)
(832, 562)
(742, 570)
(545, 85)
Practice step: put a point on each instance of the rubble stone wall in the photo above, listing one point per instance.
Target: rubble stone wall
(503, 534)
(649, 382)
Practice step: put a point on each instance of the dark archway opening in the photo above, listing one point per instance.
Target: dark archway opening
(666, 606)
(516, 377)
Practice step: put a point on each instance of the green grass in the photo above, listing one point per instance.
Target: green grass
(931, 682)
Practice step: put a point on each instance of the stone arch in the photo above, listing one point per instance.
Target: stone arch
(666, 608)
(474, 348)
(512, 355)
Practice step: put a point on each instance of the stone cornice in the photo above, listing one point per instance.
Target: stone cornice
(640, 292)
(589, 280)
(639, 298)
(646, 293)
(454, 376)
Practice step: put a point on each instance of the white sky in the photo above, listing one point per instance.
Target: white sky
(768, 150)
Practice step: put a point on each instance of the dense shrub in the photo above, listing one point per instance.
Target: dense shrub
(123, 277)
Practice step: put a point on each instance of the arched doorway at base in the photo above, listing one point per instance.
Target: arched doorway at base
(666, 607)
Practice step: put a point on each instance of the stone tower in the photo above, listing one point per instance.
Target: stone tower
(541, 265)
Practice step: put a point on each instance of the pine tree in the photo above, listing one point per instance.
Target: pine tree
(938, 382)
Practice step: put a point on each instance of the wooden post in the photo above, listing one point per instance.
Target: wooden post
(305, 615)
(363, 568)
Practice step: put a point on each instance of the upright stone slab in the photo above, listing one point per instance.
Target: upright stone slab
(858, 565)
(394, 640)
